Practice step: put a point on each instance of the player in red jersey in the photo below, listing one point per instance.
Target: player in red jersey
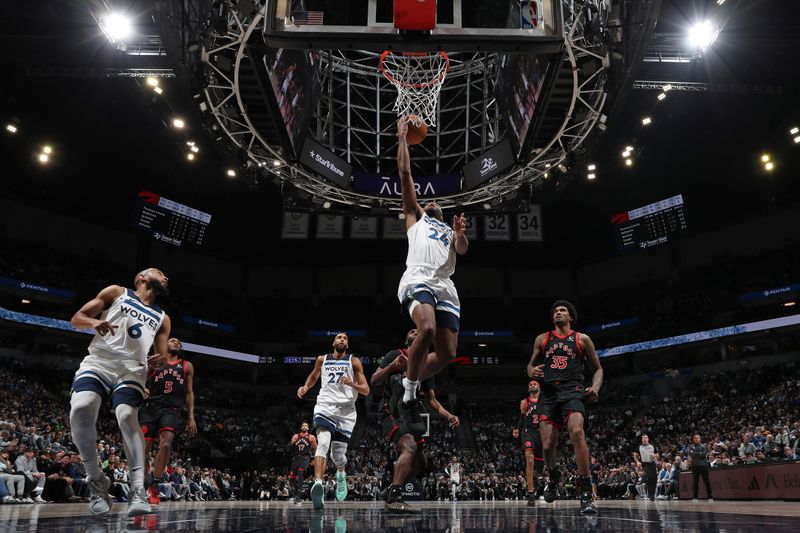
(558, 360)
(527, 431)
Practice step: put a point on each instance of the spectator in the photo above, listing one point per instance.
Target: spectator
(34, 480)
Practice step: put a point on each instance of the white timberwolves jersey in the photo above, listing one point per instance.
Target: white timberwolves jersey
(138, 324)
(332, 392)
(430, 245)
(455, 470)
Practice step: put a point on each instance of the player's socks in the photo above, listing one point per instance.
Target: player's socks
(410, 390)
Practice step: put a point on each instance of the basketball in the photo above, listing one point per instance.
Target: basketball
(417, 130)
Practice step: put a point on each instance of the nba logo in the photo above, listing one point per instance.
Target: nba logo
(530, 14)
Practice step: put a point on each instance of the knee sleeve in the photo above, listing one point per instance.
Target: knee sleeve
(323, 442)
(84, 407)
(133, 440)
(338, 453)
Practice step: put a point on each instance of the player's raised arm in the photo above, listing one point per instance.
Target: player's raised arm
(84, 318)
(398, 364)
(411, 207)
(312, 377)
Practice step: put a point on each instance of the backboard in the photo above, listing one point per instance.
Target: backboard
(460, 25)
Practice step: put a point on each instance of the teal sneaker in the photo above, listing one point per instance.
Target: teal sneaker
(318, 495)
(341, 486)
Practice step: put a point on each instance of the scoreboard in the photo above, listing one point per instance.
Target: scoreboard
(649, 225)
(169, 221)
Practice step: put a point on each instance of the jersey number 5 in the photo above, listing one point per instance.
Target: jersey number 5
(559, 361)
(167, 387)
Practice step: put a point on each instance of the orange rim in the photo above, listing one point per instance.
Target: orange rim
(436, 81)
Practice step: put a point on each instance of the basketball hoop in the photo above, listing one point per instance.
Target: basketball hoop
(418, 78)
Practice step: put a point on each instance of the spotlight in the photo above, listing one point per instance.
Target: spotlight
(276, 163)
(231, 173)
(152, 82)
(591, 167)
(547, 165)
(667, 87)
(178, 123)
(190, 156)
(44, 158)
(487, 206)
(629, 162)
(796, 139)
(562, 168)
(482, 345)
(158, 90)
(794, 131)
(117, 27)
(661, 96)
(47, 149)
(629, 148)
(764, 158)
(189, 143)
(626, 153)
(769, 166)
(591, 176)
(26, 301)
(720, 2)
(702, 35)
(326, 205)
(194, 149)
(646, 121)
(546, 175)
(11, 128)
(789, 304)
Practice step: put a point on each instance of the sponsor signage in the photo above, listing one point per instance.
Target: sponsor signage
(325, 163)
(616, 324)
(34, 288)
(210, 324)
(330, 333)
(485, 334)
(389, 186)
(497, 159)
(773, 481)
(767, 294)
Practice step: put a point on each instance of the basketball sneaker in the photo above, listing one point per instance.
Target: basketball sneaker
(318, 495)
(137, 502)
(395, 503)
(153, 495)
(551, 487)
(587, 505)
(531, 499)
(99, 499)
(341, 486)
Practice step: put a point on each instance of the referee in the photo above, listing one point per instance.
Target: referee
(647, 457)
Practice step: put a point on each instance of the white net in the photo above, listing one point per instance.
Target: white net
(418, 79)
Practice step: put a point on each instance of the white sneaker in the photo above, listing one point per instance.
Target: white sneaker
(27, 500)
(137, 502)
(694, 500)
(99, 499)
(711, 500)
(39, 499)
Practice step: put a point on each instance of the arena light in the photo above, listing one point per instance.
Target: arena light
(592, 166)
(646, 121)
(158, 90)
(702, 35)
(629, 162)
(117, 27)
(547, 165)
(11, 128)
(190, 156)
(43, 158)
(487, 206)
(194, 149)
(482, 345)
(661, 96)
(26, 301)
(231, 173)
(720, 2)
(794, 131)
(276, 163)
(796, 139)
(178, 123)
(47, 149)
(152, 82)
(591, 176)
(626, 153)
(326, 205)
(770, 166)
(789, 304)
(764, 158)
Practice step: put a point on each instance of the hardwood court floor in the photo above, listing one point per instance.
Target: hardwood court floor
(614, 516)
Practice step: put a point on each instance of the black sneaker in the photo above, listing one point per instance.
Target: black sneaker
(587, 505)
(531, 499)
(551, 487)
(395, 503)
(410, 419)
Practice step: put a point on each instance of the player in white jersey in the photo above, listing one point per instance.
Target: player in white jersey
(426, 291)
(335, 413)
(454, 469)
(127, 323)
